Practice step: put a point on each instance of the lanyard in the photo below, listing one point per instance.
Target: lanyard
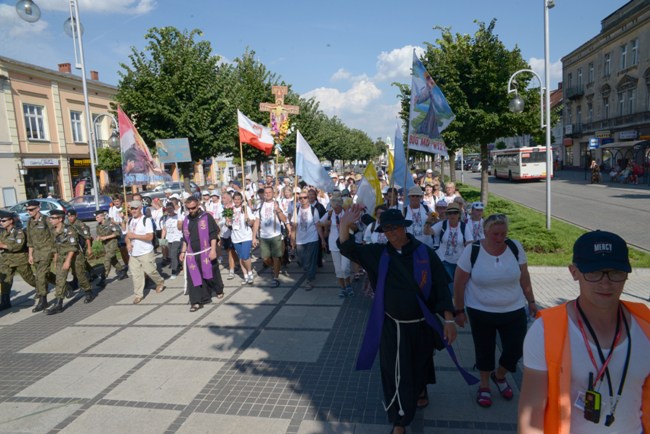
(613, 404)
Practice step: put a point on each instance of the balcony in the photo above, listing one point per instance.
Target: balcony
(572, 130)
(574, 92)
(625, 121)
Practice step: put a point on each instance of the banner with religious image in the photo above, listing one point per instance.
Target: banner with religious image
(430, 113)
(138, 166)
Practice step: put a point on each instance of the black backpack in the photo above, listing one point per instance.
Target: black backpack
(476, 248)
(445, 224)
(154, 240)
(426, 209)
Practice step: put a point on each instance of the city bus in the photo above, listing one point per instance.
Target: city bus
(520, 163)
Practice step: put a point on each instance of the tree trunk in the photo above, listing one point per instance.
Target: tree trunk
(452, 166)
(484, 174)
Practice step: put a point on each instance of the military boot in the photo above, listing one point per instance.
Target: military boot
(5, 301)
(41, 304)
(102, 281)
(56, 307)
(90, 296)
(122, 274)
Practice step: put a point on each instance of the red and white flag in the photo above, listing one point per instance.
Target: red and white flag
(254, 134)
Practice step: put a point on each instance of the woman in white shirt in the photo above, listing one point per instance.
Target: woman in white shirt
(494, 286)
(243, 235)
(173, 235)
(341, 263)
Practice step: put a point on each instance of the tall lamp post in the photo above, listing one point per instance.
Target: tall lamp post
(517, 106)
(30, 12)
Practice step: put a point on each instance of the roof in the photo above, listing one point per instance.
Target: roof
(556, 97)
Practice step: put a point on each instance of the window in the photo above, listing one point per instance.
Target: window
(579, 116)
(631, 101)
(590, 76)
(34, 122)
(76, 126)
(634, 52)
(621, 103)
(579, 78)
(569, 116)
(607, 67)
(590, 112)
(623, 56)
(570, 80)
(606, 107)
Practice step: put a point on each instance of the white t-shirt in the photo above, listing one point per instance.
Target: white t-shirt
(140, 227)
(418, 216)
(241, 231)
(477, 229)
(224, 230)
(270, 225)
(494, 285)
(372, 237)
(173, 234)
(628, 414)
(452, 242)
(306, 231)
(115, 213)
(334, 228)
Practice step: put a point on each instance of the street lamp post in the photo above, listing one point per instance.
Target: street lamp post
(30, 12)
(517, 106)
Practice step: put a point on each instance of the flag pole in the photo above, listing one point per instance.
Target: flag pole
(243, 183)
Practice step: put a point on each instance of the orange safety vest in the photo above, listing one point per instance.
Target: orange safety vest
(557, 414)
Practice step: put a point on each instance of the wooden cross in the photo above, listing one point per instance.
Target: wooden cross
(279, 112)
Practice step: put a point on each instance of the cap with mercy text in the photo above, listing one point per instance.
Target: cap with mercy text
(601, 250)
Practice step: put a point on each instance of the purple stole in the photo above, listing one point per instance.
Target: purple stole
(204, 240)
(422, 275)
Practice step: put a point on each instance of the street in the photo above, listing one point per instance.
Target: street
(623, 209)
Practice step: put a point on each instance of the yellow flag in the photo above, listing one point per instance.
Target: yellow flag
(369, 191)
(391, 163)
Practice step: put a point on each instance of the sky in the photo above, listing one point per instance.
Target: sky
(344, 53)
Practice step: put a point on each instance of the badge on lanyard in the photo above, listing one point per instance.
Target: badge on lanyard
(592, 402)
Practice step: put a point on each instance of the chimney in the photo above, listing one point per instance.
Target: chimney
(559, 85)
(94, 75)
(64, 67)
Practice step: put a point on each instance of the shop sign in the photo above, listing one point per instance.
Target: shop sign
(567, 142)
(80, 162)
(40, 162)
(628, 135)
(593, 143)
(604, 134)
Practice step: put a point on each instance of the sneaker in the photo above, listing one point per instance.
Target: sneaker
(231, 276)
(342, 293)
(275, 283)
(349, 291)
(220, 260)
(249, 279)
(308, 285)
(173, 276)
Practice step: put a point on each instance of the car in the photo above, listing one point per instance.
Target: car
(476, 166)
(85, 206)
(468, 163)
(47, 205)
(175, 187)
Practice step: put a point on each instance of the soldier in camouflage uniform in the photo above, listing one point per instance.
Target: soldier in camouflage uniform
(14, 258)
(84, 241)
(41, 246)
(66, 249)
(109, 233)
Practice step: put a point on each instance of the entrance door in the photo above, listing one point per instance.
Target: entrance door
(42, 182)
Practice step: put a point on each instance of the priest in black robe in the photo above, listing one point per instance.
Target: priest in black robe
(199, 255)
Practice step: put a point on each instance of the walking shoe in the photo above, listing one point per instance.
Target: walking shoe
(102, 281)
(137, 300)
(220, 260)
(121, 275)
(41, 304)
(56, 307)
(89, 297)
(173, 276)
(160, 288)
(349, 292)
(308, 285)
(342, 293)
(231, 276)
(249, 279)
(504, 388)
(275, 283)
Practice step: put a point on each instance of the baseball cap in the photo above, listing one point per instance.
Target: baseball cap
(205, 193)
(599, 250)
(478, 205)
(454, 206)
(135, 204)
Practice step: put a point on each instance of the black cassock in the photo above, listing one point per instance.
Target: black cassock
(416, 338)
(202, 294)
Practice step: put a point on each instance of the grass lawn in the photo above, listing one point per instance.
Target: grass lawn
(550, 248)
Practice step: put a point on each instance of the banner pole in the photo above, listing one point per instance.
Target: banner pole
(243, 182)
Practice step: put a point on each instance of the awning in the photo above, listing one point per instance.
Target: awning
(627, 144)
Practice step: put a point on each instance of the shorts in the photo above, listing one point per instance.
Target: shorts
(226, 244)
(243, 249)
(271, 247)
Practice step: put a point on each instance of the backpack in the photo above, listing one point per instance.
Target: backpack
(476, 248)
(154, 240)
(445, 224)
(426, 209)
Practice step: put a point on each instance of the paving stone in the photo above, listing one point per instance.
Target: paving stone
(166, 381)
(318, 427)
(230, 315)
(172, 315)
(70, 340)
(151, 297)
(117, 315)
(208, 342)
(199, 423)
(136, 340)
(17, 313)
(101, 419)
(305, 317)
(32, 417)
(259, 295)
(320, 297)
(294, 346)
(83, 377)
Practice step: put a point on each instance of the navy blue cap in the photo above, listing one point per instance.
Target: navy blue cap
(600, 250)
(33, 202)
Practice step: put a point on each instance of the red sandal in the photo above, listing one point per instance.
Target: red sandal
(484, 397)
(504, 388)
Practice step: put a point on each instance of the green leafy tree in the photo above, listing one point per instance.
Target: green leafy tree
(109, 159)
(170, 89)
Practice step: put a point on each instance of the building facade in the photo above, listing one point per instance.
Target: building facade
(607, 92)
(43, 135)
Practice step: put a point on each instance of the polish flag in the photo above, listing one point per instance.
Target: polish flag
(254, 134)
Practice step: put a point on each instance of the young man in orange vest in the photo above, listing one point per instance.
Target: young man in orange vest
(586, 361)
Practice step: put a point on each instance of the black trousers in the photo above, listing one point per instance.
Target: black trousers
(511, 327)
(416, 367)
(202, 294)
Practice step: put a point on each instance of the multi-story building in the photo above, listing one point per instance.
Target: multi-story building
(43, 140)
(607, 91)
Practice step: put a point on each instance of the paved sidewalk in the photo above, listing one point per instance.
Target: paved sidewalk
(260, 361)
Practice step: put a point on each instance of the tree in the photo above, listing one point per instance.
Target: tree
(109, 159)
(170, 89)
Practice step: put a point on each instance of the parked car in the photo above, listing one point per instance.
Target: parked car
(47, 205)
(468, 163)
(476, 166)
(175, 187)
(85, 206)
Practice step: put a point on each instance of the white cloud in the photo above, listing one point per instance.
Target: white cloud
(341, 74)
(396, 64)
(15, 27)
(537, 65)
(104, 6)
(354, 100)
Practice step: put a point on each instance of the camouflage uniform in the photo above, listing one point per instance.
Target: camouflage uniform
(13, 258)
(81, 233)
(40, 239)
(65, 242)
(111, 247)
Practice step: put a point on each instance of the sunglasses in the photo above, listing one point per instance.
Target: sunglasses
(5, 220)
(191, 209)
(452, 212)
(304, 197)
(134, 207)
(55, 217)
(389, 228)
(31, 209)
